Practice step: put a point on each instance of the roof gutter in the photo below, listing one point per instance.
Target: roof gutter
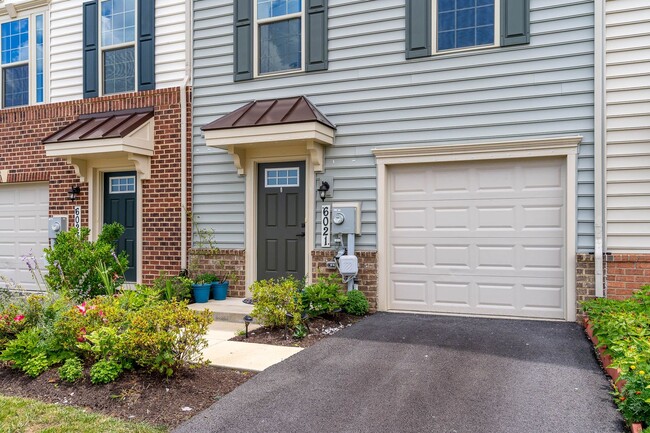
(599, 146)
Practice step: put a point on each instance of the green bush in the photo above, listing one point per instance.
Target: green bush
(36, 365)
(80, 268)
(356, 303)
(206, 278)
(324, 297)
(166, 336)
(29, 352)
(71, 370)
(105, 371)
(274, 299)
(173, 288)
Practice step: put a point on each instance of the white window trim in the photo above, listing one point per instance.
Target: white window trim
(266, 177)
(103, 49)
(434, 31)
(256, 42)
(31, 14)
(111, 178)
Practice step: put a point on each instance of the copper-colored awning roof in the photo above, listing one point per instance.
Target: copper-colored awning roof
(110, 124)
(271, 112)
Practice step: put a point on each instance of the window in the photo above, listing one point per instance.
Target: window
(21, 61)
(279, 177)
(464, 24)
(440, 26)
(118, 46)
(275, 36)
(279, 35)
(122, 185)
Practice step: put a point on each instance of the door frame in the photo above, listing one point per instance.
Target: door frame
(566, 147)
(254, 157)
(98, 168)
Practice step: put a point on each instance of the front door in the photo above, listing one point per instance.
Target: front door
(281, 220)
(120, 206)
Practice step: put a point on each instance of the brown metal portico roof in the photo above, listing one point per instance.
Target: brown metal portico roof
(271, 112)
(110, 124)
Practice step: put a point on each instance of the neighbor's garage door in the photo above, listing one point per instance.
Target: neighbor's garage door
(23, 228)
(478, 238)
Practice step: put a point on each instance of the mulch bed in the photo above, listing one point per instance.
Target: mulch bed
(319, 328)
(134, 396)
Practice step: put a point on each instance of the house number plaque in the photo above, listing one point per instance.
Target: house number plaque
(77, 217)
(325, 237)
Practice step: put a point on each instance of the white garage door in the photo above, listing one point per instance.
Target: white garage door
(23, 228)
(478, 238)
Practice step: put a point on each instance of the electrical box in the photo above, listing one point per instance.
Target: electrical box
(348, 266)
(56, 225)
(344, 220)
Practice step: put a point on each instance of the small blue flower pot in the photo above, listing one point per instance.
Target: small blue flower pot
(220, 291)
(201, 293)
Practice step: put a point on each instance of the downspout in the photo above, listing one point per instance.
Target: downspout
(183, 101)
(599, 143)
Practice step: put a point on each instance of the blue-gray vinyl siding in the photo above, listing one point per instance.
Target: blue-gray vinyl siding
(377, 98)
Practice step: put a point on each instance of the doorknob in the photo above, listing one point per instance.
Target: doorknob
(301, 235)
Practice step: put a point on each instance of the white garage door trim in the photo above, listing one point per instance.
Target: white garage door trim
(566, 147)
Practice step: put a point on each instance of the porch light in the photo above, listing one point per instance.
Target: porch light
(247, 321)
(73, 192)
(322, 189)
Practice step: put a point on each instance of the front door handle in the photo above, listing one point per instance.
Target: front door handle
(301, 235)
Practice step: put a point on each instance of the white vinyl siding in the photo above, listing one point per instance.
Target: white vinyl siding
(66, 66)
(628, 126)
(376, 98)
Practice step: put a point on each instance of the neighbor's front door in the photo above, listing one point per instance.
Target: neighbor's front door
(281, 220)
(120, 206)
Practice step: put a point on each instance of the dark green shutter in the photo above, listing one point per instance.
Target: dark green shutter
(515, 22)
(316, 37)
(90, 50)
(146, 45)
(418, 28)
(243, 35)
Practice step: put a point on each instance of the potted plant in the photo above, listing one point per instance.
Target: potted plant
(201, 288)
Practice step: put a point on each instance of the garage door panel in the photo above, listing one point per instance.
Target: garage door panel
(481, 238)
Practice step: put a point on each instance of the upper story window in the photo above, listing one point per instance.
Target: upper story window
(465, 23)
(279, 36)
(118, 46)
(441, 26)
(22, 76)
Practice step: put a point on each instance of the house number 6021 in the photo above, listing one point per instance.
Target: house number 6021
(325, 223)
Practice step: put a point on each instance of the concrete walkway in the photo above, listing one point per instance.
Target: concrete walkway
(238, 355)
(415, 373)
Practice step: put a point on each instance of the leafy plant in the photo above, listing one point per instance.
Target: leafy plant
(205, 278)
(634, 400)
(277, 302)
(105, 371)
(28, 353)
(324, 297)
(173, 287)
(75, 263)
(356, 303)
(71, 370)
(36, 365)
(300, 331)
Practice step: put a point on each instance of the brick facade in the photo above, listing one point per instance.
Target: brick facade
(22, 154)
(626, 273)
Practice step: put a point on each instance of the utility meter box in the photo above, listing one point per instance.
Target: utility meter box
(344, 220)
(56, 225)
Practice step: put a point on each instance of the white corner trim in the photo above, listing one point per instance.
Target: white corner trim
(4, 176)
(484, 150)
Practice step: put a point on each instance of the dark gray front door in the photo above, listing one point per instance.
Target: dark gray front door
(281, 220)
(120, 206)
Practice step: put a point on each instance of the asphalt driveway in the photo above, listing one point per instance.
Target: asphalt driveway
(414, 373)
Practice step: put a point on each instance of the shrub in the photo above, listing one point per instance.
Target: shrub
(166, 336)
(79, 267)
(105, 371)
(206, 278)
(324, 297)
(173, 288)
(634, 400)
(29, 352)
(274, 299)
(71, 370)
(356, 303)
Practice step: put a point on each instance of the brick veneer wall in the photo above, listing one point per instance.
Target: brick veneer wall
(626, 273)
(22, 153)
(585, 280)
(367, 277)
(225, 261)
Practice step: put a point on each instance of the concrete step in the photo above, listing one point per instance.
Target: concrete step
(230, 310)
